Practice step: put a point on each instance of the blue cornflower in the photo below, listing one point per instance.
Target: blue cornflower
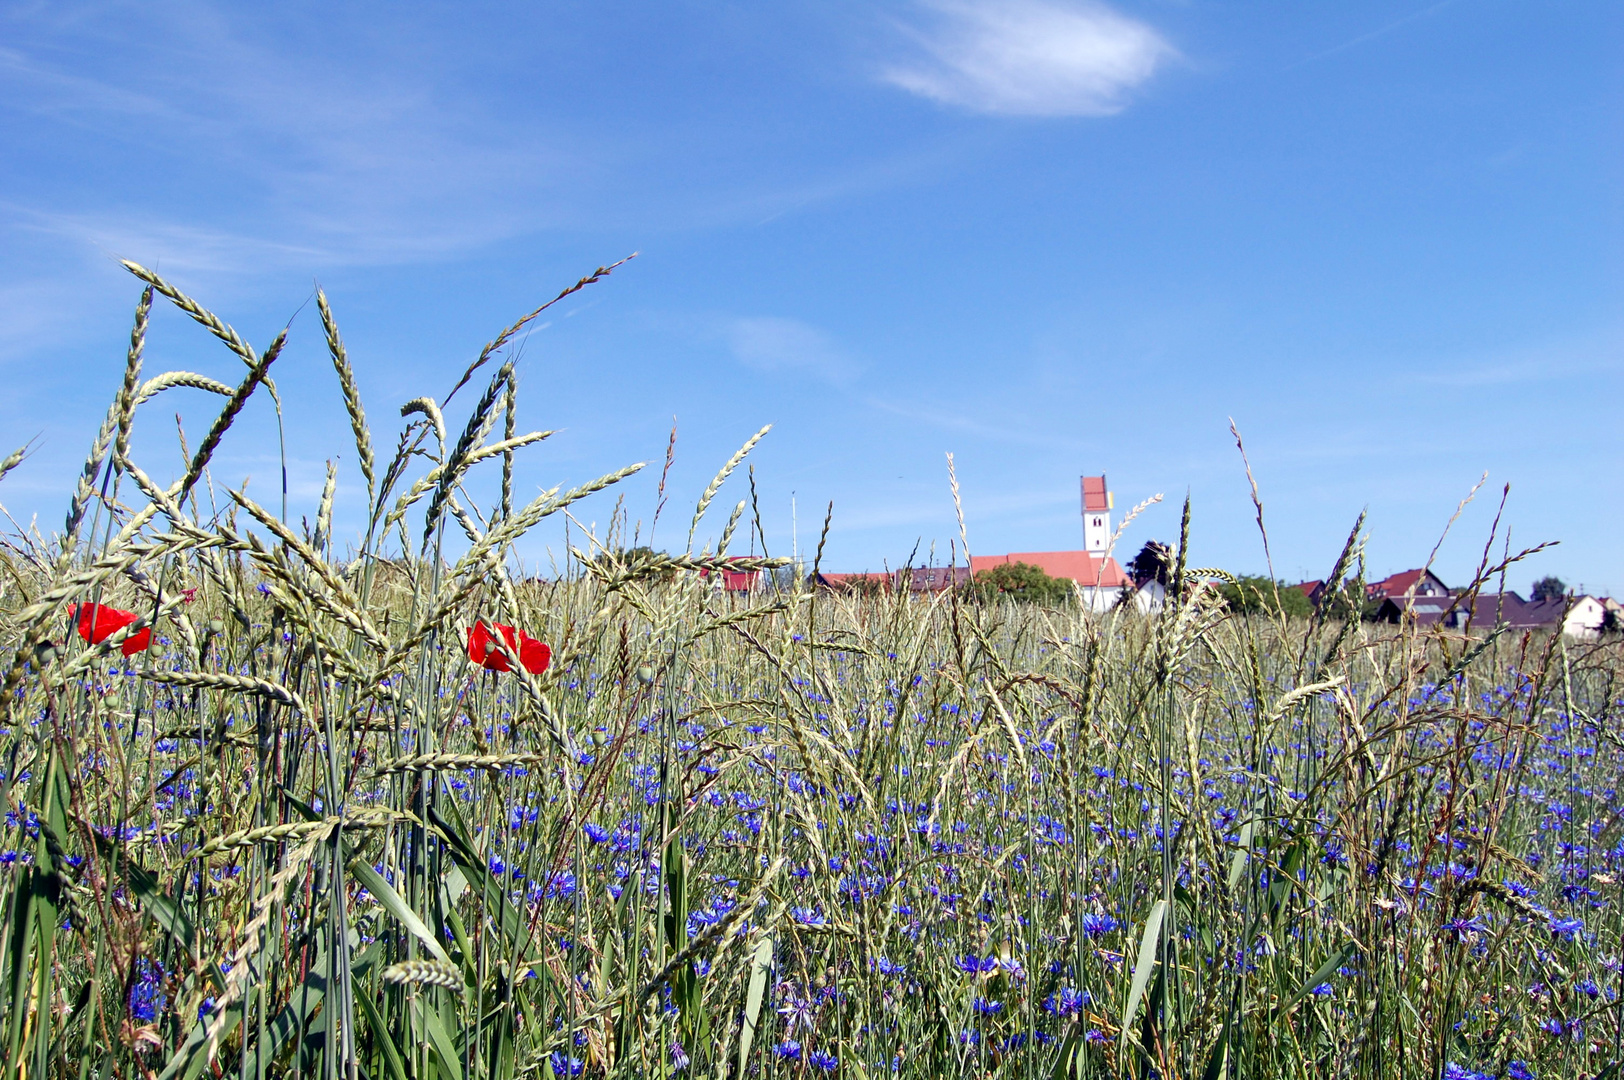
(1460, 928)
(1453, 1071)
(789, 1048)
(1066, 1001)
(147, 996)
(821, 1060)
(1095, 925)
(1567, 928)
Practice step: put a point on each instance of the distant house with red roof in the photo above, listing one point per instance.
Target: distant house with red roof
(932, 579)
(1311, 589)
(912, 579)
(853, 583)
(1578, 616)
(1407, 583)
(734, 581)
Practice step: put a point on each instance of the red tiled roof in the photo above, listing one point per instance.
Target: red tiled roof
(1094, 494)
(740, 580)
(1403, 583)
(1489, 608)
(736, 580)
(842, 582)
(1086, 568)
(932, 578)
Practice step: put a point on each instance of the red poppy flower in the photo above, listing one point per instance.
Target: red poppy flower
(483, 650)
(98, 622)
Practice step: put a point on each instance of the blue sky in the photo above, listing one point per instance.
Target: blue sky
(1050, 237)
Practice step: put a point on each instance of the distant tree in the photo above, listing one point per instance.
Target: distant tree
(1021, 581)
(1550, 588)
(1253, 594)
(1153, 563)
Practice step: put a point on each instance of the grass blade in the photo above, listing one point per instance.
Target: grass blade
(761, 963)
(1142, 969)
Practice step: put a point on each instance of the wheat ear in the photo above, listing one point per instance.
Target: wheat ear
(198, 312)
(118, 420)
(479, 425)
(242, 684)
(425, 973)
(14, 459)
(721, 477)
(234, 405)
(352, 393)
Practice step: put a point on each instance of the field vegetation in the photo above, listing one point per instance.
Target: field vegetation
(278, 805)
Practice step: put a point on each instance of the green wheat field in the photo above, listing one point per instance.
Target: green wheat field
(279, 803)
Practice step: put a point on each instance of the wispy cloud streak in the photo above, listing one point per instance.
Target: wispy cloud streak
(774, 344)
(1029, 57)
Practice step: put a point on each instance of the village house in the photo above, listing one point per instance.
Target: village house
(733, 581)
(864, 582)
(912, 579)
(1423, 596)
(1407, 583)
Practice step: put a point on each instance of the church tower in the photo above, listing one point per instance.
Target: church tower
(1097, 504)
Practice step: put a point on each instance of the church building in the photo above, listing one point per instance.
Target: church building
(1099, 577)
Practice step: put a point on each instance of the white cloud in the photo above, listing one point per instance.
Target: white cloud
(1030, 57)
(380, 161)
(773, 344)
